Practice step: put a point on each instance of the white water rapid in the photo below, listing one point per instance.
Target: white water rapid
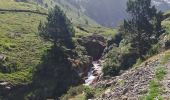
(94, 73)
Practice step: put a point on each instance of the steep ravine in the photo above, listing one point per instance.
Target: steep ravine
(94, 45)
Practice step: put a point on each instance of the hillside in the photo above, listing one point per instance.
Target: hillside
(75, 15)
(21, 48)
(143, 82)
(146, 80)
(107, 13)
(110, 13)
(94, 62)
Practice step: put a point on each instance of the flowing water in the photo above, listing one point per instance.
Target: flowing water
(94, 73)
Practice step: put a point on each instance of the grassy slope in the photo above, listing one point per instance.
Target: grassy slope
(10, 4)
(19, 42)
(77, 17)
(166, 24)
(80, 20)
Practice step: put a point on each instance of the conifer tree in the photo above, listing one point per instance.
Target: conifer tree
(58, 27)
(143, 26)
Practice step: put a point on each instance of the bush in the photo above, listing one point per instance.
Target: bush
(89, 93)
(119, 59)
(111, 66)
(138, 62)
(154, 50)
(73, 91)
(160, 73)
(110, 69)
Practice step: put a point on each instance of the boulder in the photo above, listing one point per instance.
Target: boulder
(94, 44)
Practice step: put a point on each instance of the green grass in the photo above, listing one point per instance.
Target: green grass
(160, 73)
(18, 78)
(154, 91)
(75, 15)
(82, 93)
(20, 43)
(155, 87)
(166, 25)
(79, 97)
(87, 30)
(165, 58)
(11, 4)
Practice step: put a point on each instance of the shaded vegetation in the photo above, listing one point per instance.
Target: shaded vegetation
(82, 92)
(140, 33)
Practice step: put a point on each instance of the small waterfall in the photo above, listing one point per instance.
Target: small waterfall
(94, 73)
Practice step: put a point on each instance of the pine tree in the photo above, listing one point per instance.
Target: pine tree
(143, 26)
(58, 27)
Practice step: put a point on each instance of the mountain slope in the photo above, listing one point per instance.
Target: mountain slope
(75, 15)
(110, 12)
(144, 82)
(20, 47)
(105, 12)
(22, 51)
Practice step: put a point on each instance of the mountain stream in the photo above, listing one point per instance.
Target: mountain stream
(94, 73)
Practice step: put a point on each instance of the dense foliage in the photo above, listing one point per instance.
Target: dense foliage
(55, 74)
(140, 32)
(143, 27)
(58, 27)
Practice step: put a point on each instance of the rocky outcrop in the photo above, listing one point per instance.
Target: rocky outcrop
(82, 67)
(94, 44)
(131, 84)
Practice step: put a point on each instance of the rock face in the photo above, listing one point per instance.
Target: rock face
(132, 84)
(94, 44)
(84, 67)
